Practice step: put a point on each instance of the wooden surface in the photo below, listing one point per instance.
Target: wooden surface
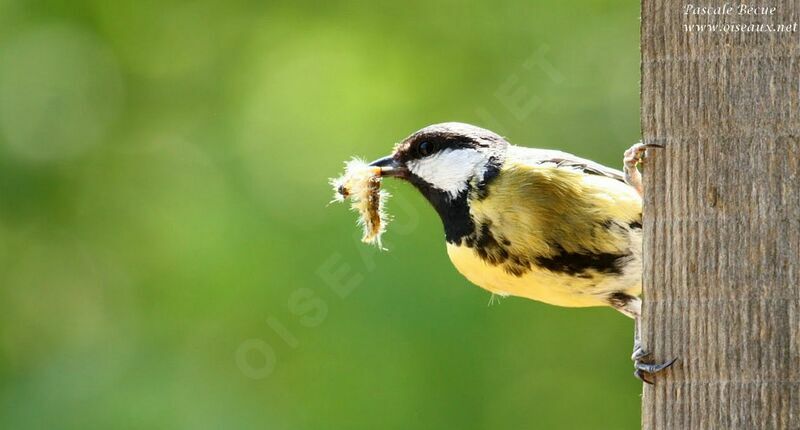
(722, 220)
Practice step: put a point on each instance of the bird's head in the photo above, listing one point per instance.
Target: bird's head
(445, 160)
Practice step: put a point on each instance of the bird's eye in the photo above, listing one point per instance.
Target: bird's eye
(426, 148)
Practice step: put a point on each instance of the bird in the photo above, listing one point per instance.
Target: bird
(540, 224)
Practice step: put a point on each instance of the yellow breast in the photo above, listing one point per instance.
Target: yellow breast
(537, 284)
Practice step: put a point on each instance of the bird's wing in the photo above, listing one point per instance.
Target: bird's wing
(563, 159)
(561, 213)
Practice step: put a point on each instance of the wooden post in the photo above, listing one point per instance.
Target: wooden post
(722, 218)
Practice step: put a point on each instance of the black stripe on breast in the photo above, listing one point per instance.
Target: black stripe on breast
(577, 263)
(454, 212)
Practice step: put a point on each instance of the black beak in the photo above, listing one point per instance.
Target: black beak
(390, 167)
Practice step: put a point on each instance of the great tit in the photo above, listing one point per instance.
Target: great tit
(534, 223)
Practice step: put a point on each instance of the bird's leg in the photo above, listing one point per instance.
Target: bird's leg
(632, 158)
(639, 353)
(632, 306)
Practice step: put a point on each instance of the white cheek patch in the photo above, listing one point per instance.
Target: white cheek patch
(450, 170)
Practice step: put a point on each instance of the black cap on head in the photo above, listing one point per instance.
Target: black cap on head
(448, 135)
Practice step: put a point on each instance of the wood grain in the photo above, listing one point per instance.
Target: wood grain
(722, 220)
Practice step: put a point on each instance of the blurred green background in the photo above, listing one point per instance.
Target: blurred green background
(167, 259)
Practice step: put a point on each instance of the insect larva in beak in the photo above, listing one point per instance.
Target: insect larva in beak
(361, 183)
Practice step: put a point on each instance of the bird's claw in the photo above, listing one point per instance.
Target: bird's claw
(635, 154)
(631, 159)
(644, 369)
(638, 353)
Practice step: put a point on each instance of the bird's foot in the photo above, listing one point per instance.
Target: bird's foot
(643, 369)
(634, 155)
(631, 159)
